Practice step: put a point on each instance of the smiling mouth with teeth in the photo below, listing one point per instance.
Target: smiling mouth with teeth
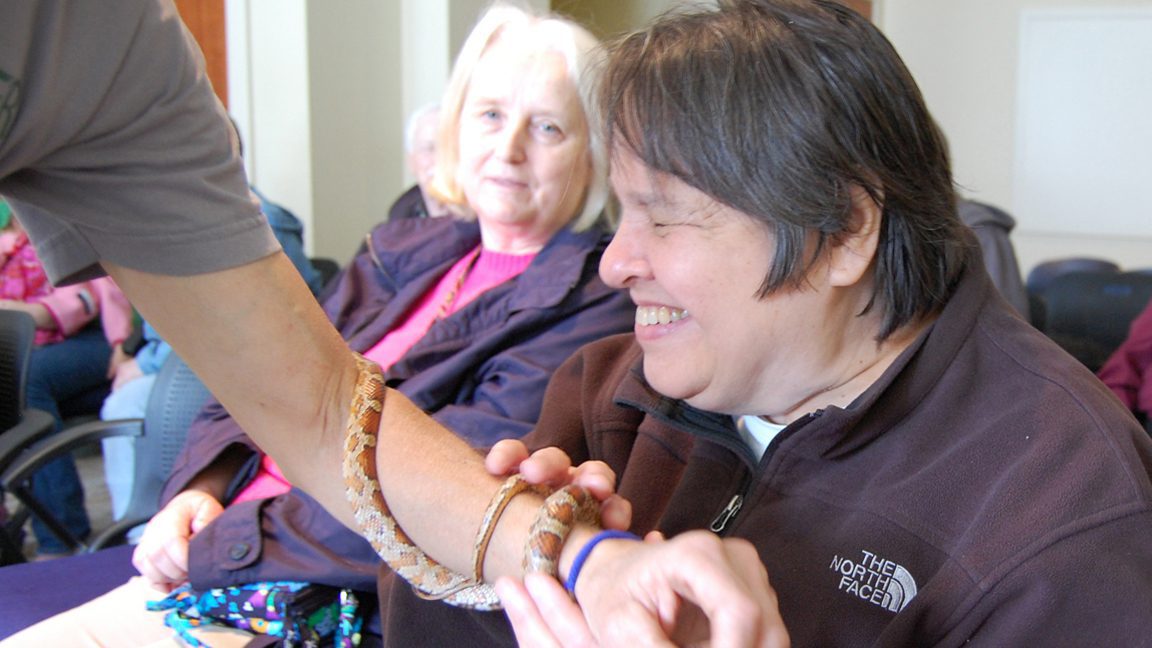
(653, 315)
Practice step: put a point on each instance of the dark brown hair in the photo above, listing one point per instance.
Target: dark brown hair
(777, 108)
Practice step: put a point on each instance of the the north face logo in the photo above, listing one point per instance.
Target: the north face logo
(875, 580)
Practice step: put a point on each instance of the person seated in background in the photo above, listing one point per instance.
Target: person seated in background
(992, 227)
(76, 328)
(1128, 371)
(135, 372)
(420, 135)
(470, 315)
(22, 277)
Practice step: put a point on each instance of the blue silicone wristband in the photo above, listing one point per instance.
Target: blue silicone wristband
(582, 556)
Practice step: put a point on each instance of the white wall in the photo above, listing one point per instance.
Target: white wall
(314, 91)
(964, 54)
(268, 94)
(424, 30)
(356, 119)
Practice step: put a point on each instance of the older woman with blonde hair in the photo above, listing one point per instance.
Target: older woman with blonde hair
(493, 50)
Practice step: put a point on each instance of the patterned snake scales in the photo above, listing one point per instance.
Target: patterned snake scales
(430, 579)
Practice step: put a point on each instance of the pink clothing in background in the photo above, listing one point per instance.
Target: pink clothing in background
(22, 278)
(73, 307)
(21, 274)
(1128, 371)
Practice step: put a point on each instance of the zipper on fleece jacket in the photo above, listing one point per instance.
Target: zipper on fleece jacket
(722, 437)
(725, 437)
(723, 520)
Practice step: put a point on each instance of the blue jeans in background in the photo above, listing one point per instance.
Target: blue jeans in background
(58, 372)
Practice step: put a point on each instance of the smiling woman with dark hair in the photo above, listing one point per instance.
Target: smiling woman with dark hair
(822, 368)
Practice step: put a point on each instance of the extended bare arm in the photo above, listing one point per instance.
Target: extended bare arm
(258, 339)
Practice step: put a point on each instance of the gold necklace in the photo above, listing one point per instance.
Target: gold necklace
(450, 298)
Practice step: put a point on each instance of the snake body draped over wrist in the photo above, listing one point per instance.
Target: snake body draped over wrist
(429, 579)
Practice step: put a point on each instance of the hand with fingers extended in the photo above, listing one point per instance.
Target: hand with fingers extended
(162, 555)
(551, 466)
(696, 589)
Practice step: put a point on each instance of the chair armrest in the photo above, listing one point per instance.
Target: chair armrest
(19, 470)
(35, 425)
(116, 534)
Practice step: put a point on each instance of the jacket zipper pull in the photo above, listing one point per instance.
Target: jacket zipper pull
(727, 514)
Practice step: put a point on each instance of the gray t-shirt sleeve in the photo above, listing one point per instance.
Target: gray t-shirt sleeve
(119, 149)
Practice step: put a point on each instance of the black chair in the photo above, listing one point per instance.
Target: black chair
(1089, 313)
(176, 398)
(328, 268)
(1041, 277)
(992, 227)
(19, 425)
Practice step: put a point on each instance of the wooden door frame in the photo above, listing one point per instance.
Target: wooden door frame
(205, 19)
